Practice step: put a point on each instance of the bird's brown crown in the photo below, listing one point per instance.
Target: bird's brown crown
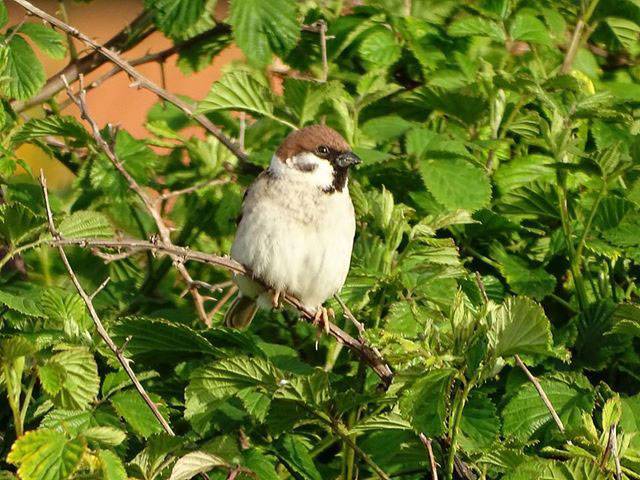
(308, 139)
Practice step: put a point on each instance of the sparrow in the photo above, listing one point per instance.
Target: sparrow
(297, 227)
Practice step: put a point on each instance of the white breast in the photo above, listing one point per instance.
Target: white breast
(296, 238)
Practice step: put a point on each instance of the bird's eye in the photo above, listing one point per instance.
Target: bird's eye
(323, 150)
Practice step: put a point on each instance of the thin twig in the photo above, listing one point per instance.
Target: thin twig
(347, 313)
(541, 393)
(369, 355)
(96, 319)
(193, 188)
(225, 298)
(242, 130)
(152, 207)
(132, 34)
(100, 288)
(139, 80)
(323, 49)
(432, 459)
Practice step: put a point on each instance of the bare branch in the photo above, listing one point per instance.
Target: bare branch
(100, 288)
(96, 319)
(138, 79)
(347, 313)
(432, 459)
(360, 347)
(225, 298)
(150, 205)
(193, 188)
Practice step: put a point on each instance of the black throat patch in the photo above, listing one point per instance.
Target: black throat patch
(339, 180)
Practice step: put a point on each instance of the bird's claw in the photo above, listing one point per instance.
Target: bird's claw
(276, 300)
(321, 318)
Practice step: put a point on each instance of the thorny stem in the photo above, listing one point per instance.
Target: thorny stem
(432, 459)
(124, 362)
(577, 39)
(455, 419)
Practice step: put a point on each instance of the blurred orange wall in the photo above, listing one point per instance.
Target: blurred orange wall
(114, 101)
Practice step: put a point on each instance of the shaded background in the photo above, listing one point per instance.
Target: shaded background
(114, 101)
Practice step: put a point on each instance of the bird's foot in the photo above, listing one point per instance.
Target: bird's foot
(321, 318)
(276, 300)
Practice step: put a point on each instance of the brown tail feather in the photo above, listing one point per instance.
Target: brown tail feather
(241, 312)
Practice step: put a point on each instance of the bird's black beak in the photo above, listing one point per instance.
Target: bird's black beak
(347, 159)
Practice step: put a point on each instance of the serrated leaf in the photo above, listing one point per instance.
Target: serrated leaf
(21, 301)
(304, 98)
(194, 463)
(46, 455)
(85, 224)
(527, 28)
(81, 380)
(519, 326)
(23, 71)
(48, 40)
(62, 126)
(151, 337)
(424, 404)
(105, 435)
(480, 423)
(470, 26)
(176, 17)
(237, 90)
(212, 384)
(4, 14)
(380, 48)
(525, 414)
(52, 376)
(295, 455)
(18, 223)
(625, 30)
(263, 28)
(523, 278)
(136, 413)
(456, 184)
(111, 465)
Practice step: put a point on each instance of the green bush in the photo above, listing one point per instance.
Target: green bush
(498, 208)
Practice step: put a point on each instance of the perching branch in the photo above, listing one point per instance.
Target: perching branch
(139, 80)
(150, 205)
(94, 315)
(360, 347)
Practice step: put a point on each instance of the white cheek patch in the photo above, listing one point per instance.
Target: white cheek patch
(304, 167)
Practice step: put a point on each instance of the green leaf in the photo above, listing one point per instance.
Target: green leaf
(105, 436)
(424, 403)
(51, 42)
(527, 28)
(523, 278)
(380, 48)
(112, 467)
(85, 224)
(194, 463)
(62, 126)
(136, 412)
(237, 90)
(471, 26)
(21, 301)
(18, 223)
(153, 337)
(480, 424)
(52, 376)
(525, 414)
(23, 72)
(304, 98)
(263, 28)
(81, 381)
(456, 184)
(212, 384)
(176, 17)
(519, 326)
(295, 456)
(625, 30)
(46, 455)
(4, 14)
